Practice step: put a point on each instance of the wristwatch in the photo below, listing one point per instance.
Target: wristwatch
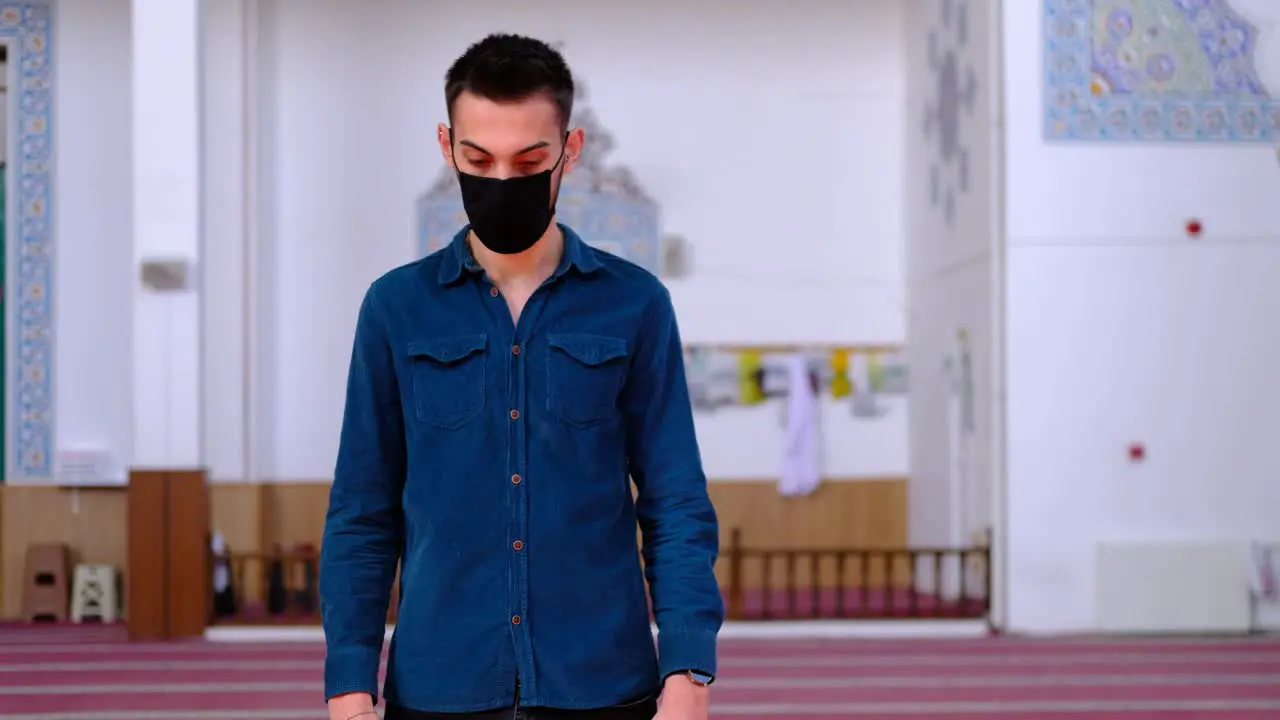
(700, 679)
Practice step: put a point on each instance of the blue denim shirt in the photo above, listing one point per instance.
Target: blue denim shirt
(494, 460)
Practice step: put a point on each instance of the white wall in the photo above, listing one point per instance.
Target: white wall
(734, 129)
(229, 334)
(92, 220)
(951, 260)
(1122, 330)
(771, 134)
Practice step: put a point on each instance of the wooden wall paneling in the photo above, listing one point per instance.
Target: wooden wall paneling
(147, 580)
(237, 514)
(861, 512)
(293, 514)
(841, 513)
(190, 577)
(90, 521)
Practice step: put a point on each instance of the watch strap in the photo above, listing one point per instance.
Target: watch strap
(700, 679)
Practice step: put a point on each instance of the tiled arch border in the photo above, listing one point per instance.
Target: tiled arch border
(28, 28)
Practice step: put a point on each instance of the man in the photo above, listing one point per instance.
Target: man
(503, 395)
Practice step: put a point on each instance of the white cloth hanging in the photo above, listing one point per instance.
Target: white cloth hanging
(1265, 572)
(802, 451)
(221, 573)
(865, 403)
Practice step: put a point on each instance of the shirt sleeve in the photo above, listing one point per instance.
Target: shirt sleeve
(679, 530)
(365, 522)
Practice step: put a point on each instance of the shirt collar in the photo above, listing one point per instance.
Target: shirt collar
(458, 261)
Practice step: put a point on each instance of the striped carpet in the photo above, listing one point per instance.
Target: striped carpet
(92, 673)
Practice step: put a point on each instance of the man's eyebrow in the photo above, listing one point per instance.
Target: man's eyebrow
(474, 146)
(536, 146)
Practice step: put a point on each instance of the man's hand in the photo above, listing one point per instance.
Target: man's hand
(351, 706)
(683, 700)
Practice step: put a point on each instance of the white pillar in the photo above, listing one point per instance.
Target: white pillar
(166, 229)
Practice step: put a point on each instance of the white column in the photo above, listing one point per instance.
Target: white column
(225, 263)
(166, 229)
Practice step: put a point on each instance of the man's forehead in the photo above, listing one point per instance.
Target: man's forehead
(533, 113)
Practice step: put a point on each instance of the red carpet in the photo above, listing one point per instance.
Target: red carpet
(92, 673)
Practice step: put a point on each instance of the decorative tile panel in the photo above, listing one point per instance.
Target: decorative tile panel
(954, 99)
(1153, 71)
(29, 28)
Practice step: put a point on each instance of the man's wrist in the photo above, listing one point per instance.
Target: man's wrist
(346, 706)
(697, 678)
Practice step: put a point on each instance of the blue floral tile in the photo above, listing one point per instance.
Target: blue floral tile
(30, 240)
(1153, 71)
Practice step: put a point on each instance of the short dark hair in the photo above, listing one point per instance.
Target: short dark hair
(511, 67)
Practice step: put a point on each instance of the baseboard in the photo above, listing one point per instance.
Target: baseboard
(1173, 587)
(771, 630)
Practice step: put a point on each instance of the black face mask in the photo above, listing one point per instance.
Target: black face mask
(509, 216)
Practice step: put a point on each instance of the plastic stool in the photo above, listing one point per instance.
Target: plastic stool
(45, 585)
(94, 595)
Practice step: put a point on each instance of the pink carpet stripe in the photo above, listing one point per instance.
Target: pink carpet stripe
(991, 706)
(267, 694)
(1154, 693)
(935, 713)
(1012, 669)
(62, 703)
(127, 673)
(68, 673)
(732, 656)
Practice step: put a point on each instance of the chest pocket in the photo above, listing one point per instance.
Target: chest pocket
(584, 377)
(448, 379)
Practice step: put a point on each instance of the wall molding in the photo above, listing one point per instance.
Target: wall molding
(28, 27)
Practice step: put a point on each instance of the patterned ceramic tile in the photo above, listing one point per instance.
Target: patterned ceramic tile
(604, 204)
(29, 28)
(1153, 70)
(954, 97)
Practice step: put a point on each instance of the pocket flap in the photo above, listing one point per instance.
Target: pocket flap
(589, 349)
(448, 349)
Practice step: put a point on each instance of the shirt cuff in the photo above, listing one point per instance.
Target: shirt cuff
(349, 671)
(681, 650)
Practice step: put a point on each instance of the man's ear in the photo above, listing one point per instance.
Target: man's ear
(445, 138)
(573, 145)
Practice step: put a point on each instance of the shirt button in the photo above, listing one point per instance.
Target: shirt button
(515, 479)
(493, 292)
(515, 414)
(515, 349)
(515, 619)
(517, 546)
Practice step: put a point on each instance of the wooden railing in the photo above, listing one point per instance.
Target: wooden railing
(276, 588)
(759, 584)
(872, 584)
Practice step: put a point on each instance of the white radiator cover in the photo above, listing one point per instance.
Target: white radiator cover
(1174, 587)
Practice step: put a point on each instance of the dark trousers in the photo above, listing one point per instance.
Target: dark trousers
(643, 709)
